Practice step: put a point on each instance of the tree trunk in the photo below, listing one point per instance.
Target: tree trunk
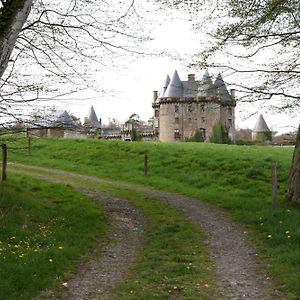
(294, 177)
(13, 15)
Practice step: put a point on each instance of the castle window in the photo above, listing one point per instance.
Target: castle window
(202, 107)
(189, 120)
(203, 133)
(176, 134)
(176, 108)
(230, 110)
(230, 122)
(190, 108)
(156, 113)
(203, 119)
(176, 120)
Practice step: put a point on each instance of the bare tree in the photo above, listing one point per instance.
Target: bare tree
(47, 46)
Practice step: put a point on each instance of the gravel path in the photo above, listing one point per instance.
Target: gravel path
(239, 273)
(95, 278)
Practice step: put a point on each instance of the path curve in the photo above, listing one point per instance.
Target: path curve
(240, 275)
(95, 279)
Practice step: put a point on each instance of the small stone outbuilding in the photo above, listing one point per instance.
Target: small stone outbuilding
(261, 131)
(54, 124)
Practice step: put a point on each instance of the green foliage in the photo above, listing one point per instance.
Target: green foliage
(219, 135)
(135, 135)
(45, 227)
(197, 137)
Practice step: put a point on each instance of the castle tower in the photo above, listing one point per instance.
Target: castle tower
(261, 131)
(92, 120)
(184, 107)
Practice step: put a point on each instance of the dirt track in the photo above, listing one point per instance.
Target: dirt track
(239, 274)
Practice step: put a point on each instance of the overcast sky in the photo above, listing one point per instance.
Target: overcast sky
(129, 87)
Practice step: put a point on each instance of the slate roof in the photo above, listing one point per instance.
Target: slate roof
(221, 90)
(206, 88)
(175, 88)
(261, 125)
(92, 119)
(55, 119)
(164, 88)
(193, 88)
(64, 120)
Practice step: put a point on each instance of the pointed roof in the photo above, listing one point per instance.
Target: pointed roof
(205, 86)
(163, 90)
(221, 90)
(261, 125)
(175, 88)
(64, 120)
(92, 119)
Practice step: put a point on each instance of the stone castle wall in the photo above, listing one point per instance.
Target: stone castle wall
(179, 120)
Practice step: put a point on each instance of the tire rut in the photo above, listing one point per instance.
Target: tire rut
(95, 278)
(240, 274)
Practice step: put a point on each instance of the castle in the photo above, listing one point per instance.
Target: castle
(184, 107)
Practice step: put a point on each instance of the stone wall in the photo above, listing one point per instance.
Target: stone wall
(179, 120)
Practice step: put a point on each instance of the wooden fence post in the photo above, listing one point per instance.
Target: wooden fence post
(146, 165)
(275, 202)
(29, 145)
(4, 161)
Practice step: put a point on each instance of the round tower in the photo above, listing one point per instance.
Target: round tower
(261, 131)
(169, 118)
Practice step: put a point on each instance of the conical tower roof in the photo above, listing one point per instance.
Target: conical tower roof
(221, 90)
(92, 119)
(64, 120)
(165, 86)
(261, 125)
(175, 88)
(205, 88)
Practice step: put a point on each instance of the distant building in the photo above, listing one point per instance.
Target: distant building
(261, 131)
(184, 107)
(54, 124)
(91, 121)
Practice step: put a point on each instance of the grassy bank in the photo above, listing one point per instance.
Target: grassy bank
(173, 261)
(45, 228)
(237, 178)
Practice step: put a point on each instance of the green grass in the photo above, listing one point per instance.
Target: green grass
(237, 178)
(173, 261)
(45, 228)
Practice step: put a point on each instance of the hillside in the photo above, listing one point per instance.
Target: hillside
(237, 178)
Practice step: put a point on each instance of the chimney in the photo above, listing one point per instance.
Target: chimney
(191, 77)
(155, 95)
(232, 93)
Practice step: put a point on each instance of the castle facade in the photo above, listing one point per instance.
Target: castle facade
(184, 107)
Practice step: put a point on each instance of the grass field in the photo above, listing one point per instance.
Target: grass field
(237, 178)
(45, 228)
